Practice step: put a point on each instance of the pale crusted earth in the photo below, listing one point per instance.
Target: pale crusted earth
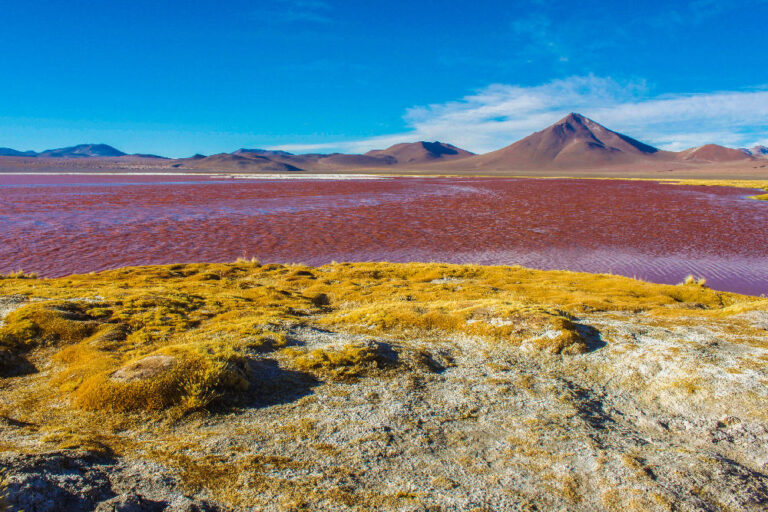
(650, 418)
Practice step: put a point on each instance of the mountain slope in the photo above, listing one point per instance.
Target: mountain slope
(421, 152)
(713, 153)
(13, 152)
(573, 142)
(230, 162)
(756, 151)
(82, 151)
(319, 161)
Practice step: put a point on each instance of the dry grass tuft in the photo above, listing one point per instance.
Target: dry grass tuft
(340, 363)
(691, 280)
(19, 274)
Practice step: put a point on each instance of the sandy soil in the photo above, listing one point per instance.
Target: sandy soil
(651, 418)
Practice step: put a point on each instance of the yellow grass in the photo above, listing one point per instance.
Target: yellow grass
(180, 336)
(757, 184)
(342, 363)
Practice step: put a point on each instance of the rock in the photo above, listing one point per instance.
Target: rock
(130, 503)
(80, 482)
(146, 368)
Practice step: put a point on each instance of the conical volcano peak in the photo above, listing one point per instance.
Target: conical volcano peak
(573, 142)
(574, 117)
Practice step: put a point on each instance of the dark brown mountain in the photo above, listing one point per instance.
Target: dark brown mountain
(420, 152)
(713, 153)
(319, 161)
(230, 162)
(262, 152)
(82, 151)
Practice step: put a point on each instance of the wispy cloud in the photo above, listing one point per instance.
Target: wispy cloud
(500, 114)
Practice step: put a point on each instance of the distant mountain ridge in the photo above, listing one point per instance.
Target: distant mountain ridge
(393, 156)
(79, 151)
(756, 151)
(13, 152)
(421, 152)
(573, 143)
(82, 151)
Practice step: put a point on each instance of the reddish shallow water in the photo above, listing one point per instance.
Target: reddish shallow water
(58, 225)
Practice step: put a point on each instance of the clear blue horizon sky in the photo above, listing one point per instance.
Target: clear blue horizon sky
(200, 76)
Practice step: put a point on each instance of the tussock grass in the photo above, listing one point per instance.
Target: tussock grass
(692, 280)
(195, 378)
(182, 337)
(339, 363)
(19, 274)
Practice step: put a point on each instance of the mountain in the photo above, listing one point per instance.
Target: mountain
(420, 152)
(574, 142)
(230, 162)
(262, 152)
(82, 151)
(756, 151)
(13, 152)
(148, 155)
(713, 153)
(399, 154)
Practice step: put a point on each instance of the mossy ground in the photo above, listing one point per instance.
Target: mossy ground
(207, 319)
(134, 362)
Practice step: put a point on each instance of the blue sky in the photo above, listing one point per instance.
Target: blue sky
(176, 78)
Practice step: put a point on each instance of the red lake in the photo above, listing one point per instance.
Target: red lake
(62, 224)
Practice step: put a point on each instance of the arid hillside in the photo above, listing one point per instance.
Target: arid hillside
(421, 152)
(574, 142)
(714, 153)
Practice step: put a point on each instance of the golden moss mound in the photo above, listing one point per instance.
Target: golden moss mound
(341, 363)
(189, 377)
(49, 323)
(184, 336)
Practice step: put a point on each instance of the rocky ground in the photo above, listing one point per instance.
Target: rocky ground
(653, 415)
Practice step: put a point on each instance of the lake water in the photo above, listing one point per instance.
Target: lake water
(62, 224)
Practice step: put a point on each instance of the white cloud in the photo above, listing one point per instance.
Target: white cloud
(501, 114)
